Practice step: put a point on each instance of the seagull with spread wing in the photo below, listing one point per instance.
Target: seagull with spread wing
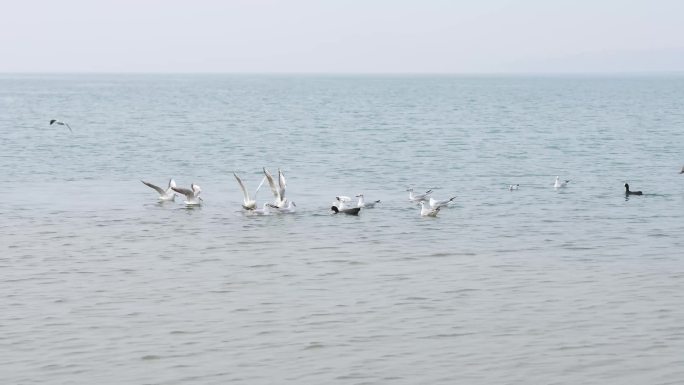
(164, 195)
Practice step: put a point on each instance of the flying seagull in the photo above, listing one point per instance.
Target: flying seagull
(61, 123)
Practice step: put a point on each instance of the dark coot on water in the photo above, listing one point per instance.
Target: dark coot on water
(351, 211)
(627, 192)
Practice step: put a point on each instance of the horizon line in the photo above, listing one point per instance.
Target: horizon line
(342, 73)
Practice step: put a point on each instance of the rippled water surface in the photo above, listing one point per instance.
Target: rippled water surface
(99, 284)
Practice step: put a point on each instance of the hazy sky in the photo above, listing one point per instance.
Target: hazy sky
(341, 36)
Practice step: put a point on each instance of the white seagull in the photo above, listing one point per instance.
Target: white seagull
(248, 202)
(264, 210)
(435, 204)
(512, 187)
(363, 204)
(164, 195)
(341, 202)
(289, 209)
(278, 191)
(192, 197)
(428, 211)
(418, 197)
(560, 184)
(61, 123)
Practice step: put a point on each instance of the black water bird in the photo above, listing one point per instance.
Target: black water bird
(627, 192)
(350, 211)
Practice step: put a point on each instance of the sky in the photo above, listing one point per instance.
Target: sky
(352, 36)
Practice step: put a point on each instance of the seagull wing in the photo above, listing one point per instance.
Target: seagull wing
(52, 121)
(259, 187)
(242, 186)
(282, 183)
(187, 192)
(68, 126)
(271, 183)
(156, 188)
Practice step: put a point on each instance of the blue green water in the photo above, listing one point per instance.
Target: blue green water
(100, 284)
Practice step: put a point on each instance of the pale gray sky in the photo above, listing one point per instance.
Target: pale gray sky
(369, 36)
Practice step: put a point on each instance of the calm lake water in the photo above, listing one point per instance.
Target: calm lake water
(100, 284)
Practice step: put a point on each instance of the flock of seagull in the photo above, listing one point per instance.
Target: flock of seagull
(429, 206)
(341, 204)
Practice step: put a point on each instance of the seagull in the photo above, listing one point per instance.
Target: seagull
(682, 170)
(560, 184)
(350, 211)
(512, 187)
(264, 210)
(362, 203)
(248, 203)
(61, 123)
(191, 196)
(435, 204)
(420, 197)
(289, 209)
(278, 191)
(164, 195)
(428, 211)
(627, 192)
(341, 201)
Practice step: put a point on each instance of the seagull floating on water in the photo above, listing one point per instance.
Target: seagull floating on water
(248, 202)
(289, 209)
(512, 187)
(428, 211)
(349, 211)
(627, 192)
(435, 204)
(164, 195)
(363, 204)
(192, 197)
(560, 184)
(418, 197)
(278, 191)
(341, 201)
(61, 123)
(264, 210)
